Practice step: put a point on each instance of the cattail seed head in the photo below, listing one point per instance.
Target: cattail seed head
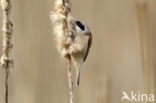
(63, 26)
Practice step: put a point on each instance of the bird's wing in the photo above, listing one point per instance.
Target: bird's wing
(89, 45)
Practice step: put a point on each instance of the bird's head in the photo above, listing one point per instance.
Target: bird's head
(82, 28)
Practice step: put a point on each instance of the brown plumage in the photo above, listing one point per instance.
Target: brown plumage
(89, 45)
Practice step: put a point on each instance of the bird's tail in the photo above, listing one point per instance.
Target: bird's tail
(78, 76)
(78, 72)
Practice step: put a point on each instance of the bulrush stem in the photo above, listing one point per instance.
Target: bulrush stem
(64, 31)
(70, 81)
(7, 45)
(6, 85)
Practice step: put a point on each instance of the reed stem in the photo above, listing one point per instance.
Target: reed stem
(6, 62)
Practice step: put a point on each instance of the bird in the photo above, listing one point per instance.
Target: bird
(83, 41)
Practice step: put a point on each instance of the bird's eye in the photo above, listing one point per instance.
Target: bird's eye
(82, 27)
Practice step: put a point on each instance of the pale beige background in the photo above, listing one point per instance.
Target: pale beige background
(113, 65)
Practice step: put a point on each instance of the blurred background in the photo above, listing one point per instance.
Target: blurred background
(122, 57)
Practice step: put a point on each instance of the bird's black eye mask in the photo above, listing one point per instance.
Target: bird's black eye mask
(80, 25)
